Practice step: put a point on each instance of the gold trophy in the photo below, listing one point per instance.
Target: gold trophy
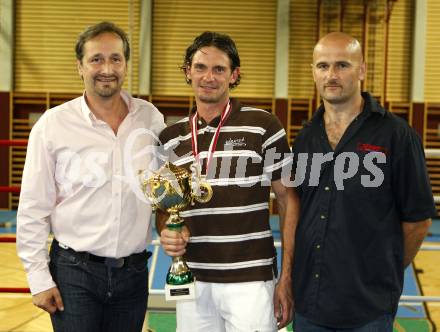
(171, 189)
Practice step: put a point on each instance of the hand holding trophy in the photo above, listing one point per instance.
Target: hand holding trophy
(170, 190)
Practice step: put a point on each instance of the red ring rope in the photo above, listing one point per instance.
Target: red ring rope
(10, 189)
(6, 239)
(14, 290)
(9, 142)
(13, 142)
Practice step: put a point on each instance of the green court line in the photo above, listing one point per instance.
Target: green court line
(162, 321)
(401, 325)
(166, 322)
(412, 324)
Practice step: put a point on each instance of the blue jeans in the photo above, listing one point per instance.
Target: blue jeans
(382, 324)
(97, 297)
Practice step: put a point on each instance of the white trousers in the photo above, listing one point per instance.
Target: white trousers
(228, 307)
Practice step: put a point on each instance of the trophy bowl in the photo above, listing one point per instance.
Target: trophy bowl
(170, 190)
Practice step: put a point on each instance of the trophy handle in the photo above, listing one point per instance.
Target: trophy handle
(148, 193)
(144, 185)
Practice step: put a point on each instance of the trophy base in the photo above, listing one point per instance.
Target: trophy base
(180, 292)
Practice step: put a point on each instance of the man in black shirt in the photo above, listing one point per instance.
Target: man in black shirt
(366, 200)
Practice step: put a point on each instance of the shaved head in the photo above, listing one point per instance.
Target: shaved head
(340, 40)
(338, 68)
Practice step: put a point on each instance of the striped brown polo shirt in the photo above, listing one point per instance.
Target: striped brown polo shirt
(231, 240)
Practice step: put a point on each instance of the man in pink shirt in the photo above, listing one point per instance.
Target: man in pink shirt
(78, 184)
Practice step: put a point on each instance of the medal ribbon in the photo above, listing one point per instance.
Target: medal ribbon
(214, 140)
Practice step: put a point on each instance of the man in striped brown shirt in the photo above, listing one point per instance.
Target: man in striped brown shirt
(228, 242)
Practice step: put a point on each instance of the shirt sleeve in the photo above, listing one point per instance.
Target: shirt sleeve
(276, 150)
(158, 126)
(37, 200)
(410, 180)
(158, 123)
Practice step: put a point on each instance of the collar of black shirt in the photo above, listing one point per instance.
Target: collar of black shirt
(371, 105)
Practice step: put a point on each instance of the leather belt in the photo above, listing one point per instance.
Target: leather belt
(108, 261)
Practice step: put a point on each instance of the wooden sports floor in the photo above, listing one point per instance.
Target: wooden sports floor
(19, 315)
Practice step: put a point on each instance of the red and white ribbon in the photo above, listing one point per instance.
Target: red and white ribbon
(212, 146)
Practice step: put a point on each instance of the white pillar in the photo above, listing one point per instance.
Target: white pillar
(145, 49)
(418, 52)
(282, 50)
(6, 44)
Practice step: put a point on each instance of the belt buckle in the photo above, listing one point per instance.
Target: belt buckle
(114, 262)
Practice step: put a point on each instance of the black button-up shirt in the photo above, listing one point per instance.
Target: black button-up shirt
(348, 267)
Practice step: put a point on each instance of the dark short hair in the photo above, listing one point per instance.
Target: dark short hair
(221, 41)
(97, 29)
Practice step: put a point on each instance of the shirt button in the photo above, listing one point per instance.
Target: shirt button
(317, 275)
(322, 216)
(318, 246)
(327, 188)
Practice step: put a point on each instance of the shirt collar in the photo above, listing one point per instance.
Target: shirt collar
(370, 106)
(91, 118)
(235, 107)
